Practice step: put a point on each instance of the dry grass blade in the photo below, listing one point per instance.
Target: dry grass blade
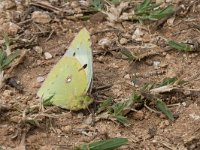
(47, 6)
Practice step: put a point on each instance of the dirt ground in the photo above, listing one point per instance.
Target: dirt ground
(43, 39)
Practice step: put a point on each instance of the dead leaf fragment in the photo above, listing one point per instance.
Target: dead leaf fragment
(113, 12)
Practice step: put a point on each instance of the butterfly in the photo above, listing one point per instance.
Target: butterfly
(68, 85)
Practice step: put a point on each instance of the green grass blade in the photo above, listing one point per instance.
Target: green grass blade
(135, 97)
(128, 54)
(157, 15)
(10, 58)
(105, 105)
(122, 119)
(143, 6)
(118, 108)
(109, 144)
(2, 56)
(97, 4)
(48, 102)
(180, 46)
(168, 81)
(7, 41)
(164, 109)
(117, 111)
(32, 122)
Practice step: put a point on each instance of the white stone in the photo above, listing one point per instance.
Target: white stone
(123, 41)
(127, 76)
(40, 79)
(47, 55)
(156, 64)
(38, 49)
(105, 42)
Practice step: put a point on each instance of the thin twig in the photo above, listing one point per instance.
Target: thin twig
(152, 110)
(168, 146)
(24, 22)
(100, 88)
(104, 31)
(51, 33)
(47, 6)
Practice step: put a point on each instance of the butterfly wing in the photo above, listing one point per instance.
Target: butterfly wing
(68, 82)
(81, 49)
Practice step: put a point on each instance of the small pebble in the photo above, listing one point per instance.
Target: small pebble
(163, 65)
(162, 116)
(84, 3)
(147, 115)
(68, 115)
(75, 4)
(139, 115)
(7, 93)
(170, 21)
(38, 49)
(137, 35)
(38, 62)
(149, 62)
(184, 104)
(167, 122)
(164, 124)
(156, 64)
(187, 93)
(40, 79)
(67, 129)
(47, 55)
(168, 56)
(58, 131)
(123, 41)
(105, 42)
(80, 116)
(127, 76)
(41, 17)
(89, 120)
(164, 53)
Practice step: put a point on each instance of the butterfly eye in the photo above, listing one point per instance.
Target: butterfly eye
(74, 54)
